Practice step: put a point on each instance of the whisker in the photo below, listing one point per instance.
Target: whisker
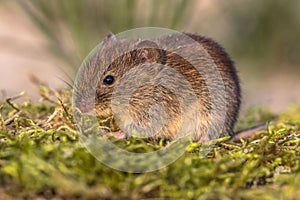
(66, 82)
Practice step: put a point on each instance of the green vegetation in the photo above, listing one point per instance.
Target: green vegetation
(40, 156)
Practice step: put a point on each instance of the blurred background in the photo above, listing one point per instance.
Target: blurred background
(49, 40)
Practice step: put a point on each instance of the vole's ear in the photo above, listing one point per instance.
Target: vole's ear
(109, 37)
(150, 52)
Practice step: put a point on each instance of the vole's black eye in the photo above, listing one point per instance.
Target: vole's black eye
(108, 80)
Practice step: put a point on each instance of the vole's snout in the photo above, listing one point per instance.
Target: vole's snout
(85, 106)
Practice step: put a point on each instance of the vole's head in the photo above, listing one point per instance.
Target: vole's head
(105, 68)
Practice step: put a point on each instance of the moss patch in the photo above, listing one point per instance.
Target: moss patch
(41, 156)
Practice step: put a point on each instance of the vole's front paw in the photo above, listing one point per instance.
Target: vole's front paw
(120, 135)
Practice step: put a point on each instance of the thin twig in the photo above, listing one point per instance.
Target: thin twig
(11, 120)
(47, 98)
(8, 101)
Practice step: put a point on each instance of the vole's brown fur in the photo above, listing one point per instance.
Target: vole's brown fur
(170, 51)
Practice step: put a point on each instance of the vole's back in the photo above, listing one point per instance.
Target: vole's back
(213, 77)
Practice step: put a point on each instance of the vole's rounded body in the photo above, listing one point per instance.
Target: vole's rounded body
(205, 67)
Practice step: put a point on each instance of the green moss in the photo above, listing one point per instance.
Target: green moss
(41, 156)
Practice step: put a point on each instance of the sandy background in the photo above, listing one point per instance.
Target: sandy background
(23, 53)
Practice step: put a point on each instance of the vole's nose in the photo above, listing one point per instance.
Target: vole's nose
(85, 106)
